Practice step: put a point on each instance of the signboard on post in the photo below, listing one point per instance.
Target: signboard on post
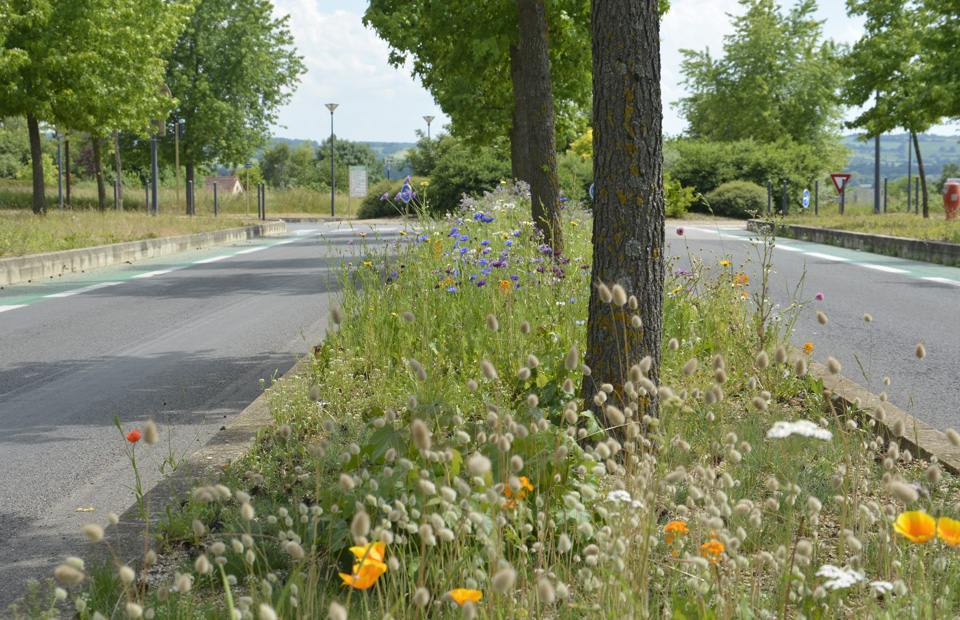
(358, 181)
(840, 181)
(806, 198)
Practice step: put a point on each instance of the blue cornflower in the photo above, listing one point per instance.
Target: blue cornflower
(472, 278)
(464, 251)
(452, 289)
(485, 242)
(464, 237)
(483, 262)
(509, 242)
(485, 271)
(514, 277)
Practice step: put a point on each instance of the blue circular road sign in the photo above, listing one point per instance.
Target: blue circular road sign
(406, 193)
(806, 198)
(591, 191)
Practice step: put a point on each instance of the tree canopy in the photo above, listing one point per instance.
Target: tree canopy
(777, 78)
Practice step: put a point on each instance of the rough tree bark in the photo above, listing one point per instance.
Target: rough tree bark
(36, 159)
(923, 176)
(628, 228)
(116, 156)
(534, 108)
(98, 171)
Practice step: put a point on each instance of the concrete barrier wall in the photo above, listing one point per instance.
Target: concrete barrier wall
(52, 264)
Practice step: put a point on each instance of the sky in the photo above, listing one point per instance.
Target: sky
(347, 65)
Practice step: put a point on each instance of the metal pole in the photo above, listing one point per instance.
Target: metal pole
(190, 209)
(784, 196)
(176, 157)
(153, 173)
(116, 198)
(333, 172)
(909, 171)
(916, 197)
(146, 187)
(843, 196)
(816, 197)
(214, 199)
(884, 194)
(59, 171)
(769, 197)
(264, 201)
(259, 203)
(876, 175)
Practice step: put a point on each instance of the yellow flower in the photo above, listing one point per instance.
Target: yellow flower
(364, 575)
(461, 596)
(725, 263)
(367, 263)
(363, 234)
(574, 224)
(712, 551)
(673, 528)
(916, 526)
(370, 551)
(403, 233)
(949, 531)
(424, 184)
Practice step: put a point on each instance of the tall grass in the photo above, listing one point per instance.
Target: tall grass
(436, 462)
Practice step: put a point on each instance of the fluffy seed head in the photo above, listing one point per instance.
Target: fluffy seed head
(202, 564)
(150, 433)
(478, 464)
(636, 322)
(921, 352)
(421, 435)
(673, 345)
(68, 575)
(619, 295)
(568, 385)
(720, 376)
(422, 597)
(780, 355)
(198, 528)
(645, 364)
(523, 374)
(545, 592)
(690, 367)
(472, 385)
(360, 526)
(762, 360)
(267, 612)
(632, 303)
(95, 533)
(418, 369)
(516, 463)
(285, 431)
(408, 317)
(126, 574)
(488, 370)
(346, 482)
(833, 365)
(867, 317)
(525, 327)
(503, 580)
(606, 296)
(897, 428)
(337, 611)
(134, 611)
(953, 436)
(492, 323)
(314, 393)
(933, 474)
(247, 512)
(614, 415)
(337, 316)
(800, 368)
(904, 492)
(573, 359)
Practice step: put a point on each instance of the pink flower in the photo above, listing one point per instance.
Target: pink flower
(818, 296)
(680, 230)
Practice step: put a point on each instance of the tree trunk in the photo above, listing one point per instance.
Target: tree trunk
(537, 114)
(36, 159)
(628, 212)
(98, 171)
(923, 176)
(66, 158)
(116, 156)
(519, 131)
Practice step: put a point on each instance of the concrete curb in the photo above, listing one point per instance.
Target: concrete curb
(129, 539)
(915, 249)
(52, 264)
(922, 439)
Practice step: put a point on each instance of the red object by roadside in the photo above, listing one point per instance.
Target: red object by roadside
(951, 199)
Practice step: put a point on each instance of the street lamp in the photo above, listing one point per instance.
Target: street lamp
(333, 172)
(429, 120)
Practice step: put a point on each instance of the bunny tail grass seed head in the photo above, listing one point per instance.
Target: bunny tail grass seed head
(421, 435)
(126, 575)
(488, 370)
(408, 317)
(833, 365)
(525, 327)
(267, 612)
(337, 316)
(504, 579)
(867, 317)
(821, 317)
(492, 323)
(800, 368)
(95, 533)
(150, 433)
(762, 360)
(346, 482)
(606, 296)
(673, 345)
(573, 359)
(780, 355)
(360, 526)
(314, 393)
(897, 428)
(636, 321)
(619, 295)
(690, 367)
(418, 369)
(920, 352)
(904, 492)
(68, 575)
(953, 436)
(421, 597)
(336, 611)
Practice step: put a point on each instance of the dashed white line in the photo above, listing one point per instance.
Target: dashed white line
(307, 232)
(5, 308)
(150, 274)
(943, 281)
(827, 256)
(286, 242)
(85, 289)
(252, 250)
(210, 260)
(788, 248)
(883, 268)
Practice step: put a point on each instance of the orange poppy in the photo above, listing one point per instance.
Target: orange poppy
(371, 551)
(133, 436)
(524, 487)
(504, 286)
(712, 551)
(916, 526)
(807, 348)
(364, 575)
(949, 531)
(461, 595)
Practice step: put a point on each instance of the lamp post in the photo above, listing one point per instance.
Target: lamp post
(59, 170)
(333, 170)
(429, 120)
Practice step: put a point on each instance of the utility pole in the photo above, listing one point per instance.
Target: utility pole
(429, 120)
(177, 128)
(876, 176)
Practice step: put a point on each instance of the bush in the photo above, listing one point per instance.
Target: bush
(738, 199)
(574, 174)
(464, 170)
(372, 206)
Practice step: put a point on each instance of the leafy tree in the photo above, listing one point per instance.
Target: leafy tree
(423, 157)
(949, 171)
(628, 230)
(14, 147)
(889, 63)
(229, 72)
(775, 79)
(347, 153)
(276, 166)
(465, 169)
(303, 167)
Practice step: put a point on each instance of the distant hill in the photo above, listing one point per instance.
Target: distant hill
(936, 151)
(394, 150)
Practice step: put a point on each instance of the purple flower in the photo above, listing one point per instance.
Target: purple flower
(452, 289)
(481, 282)
(498, 263)
(483, 262)
(680, 230)
(385, 196)
(514, 277)
(464, 251)
(509, 242)
(464, 237)
(484, 242)
(818, 296)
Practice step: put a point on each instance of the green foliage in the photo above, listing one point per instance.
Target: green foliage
(230, 71)
(575, 174)
(677, 199)
(347, 153)
(738, 199)
(423, 157)
(775, 80)
(705, 165)
(463, 169)
(375, 205)
(950, 171)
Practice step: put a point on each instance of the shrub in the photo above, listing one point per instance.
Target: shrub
(372, 206)
(465, 170)
(574, 174)
(738, 199)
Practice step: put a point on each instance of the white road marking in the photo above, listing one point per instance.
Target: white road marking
(827, 256)
(252, 250)
(150, 274)
(943, 281)
(210, 260)
(286, 242)
(307, 232)
(5, 308)
(788, 248)
(86, 289)
(883, 268)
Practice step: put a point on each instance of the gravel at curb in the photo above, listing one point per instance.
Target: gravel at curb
(52, 264)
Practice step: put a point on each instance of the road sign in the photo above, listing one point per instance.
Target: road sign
(806, 198)
(591, 191)
(248, 165)
(406, 193)
(840, 181)
(358, 181)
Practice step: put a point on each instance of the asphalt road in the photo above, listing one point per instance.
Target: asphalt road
(910, 302)
(187, 339)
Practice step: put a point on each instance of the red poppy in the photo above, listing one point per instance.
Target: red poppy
(133, 436)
